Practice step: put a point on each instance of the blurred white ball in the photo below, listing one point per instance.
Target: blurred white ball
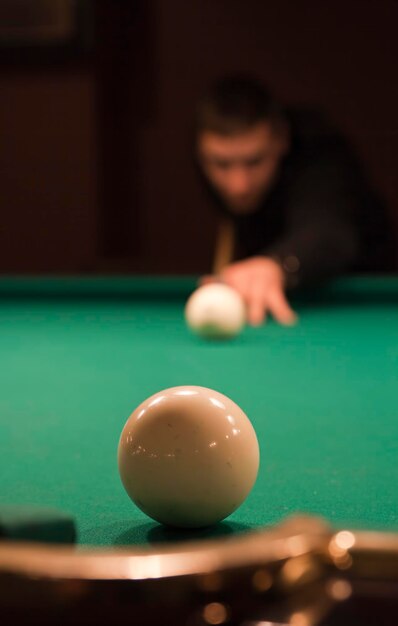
(215, 311)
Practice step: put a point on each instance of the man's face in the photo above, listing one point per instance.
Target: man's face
(241, 168)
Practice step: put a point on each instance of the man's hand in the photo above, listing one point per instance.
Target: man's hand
(260, 282)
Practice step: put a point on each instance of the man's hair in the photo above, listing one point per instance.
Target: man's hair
(235, 104)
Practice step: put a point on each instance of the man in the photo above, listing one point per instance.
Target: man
(294, 204)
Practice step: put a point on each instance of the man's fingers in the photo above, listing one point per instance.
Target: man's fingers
(281, 309)
(255, 305)
(255, 312)
(238, 282)
(260, 283)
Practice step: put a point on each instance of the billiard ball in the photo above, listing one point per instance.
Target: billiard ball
(188, 456)
(215, 311)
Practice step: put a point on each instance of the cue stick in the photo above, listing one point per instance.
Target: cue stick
(225, 244)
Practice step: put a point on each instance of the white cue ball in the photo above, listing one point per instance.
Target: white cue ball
(188, 456)
(215, 311)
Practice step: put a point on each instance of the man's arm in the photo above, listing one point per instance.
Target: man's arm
(321, 240)
(322, 236)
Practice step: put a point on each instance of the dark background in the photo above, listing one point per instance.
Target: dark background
(96, 168)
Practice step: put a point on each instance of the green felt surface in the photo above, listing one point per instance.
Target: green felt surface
(77, 356)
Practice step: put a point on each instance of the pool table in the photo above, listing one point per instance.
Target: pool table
(77, 355)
